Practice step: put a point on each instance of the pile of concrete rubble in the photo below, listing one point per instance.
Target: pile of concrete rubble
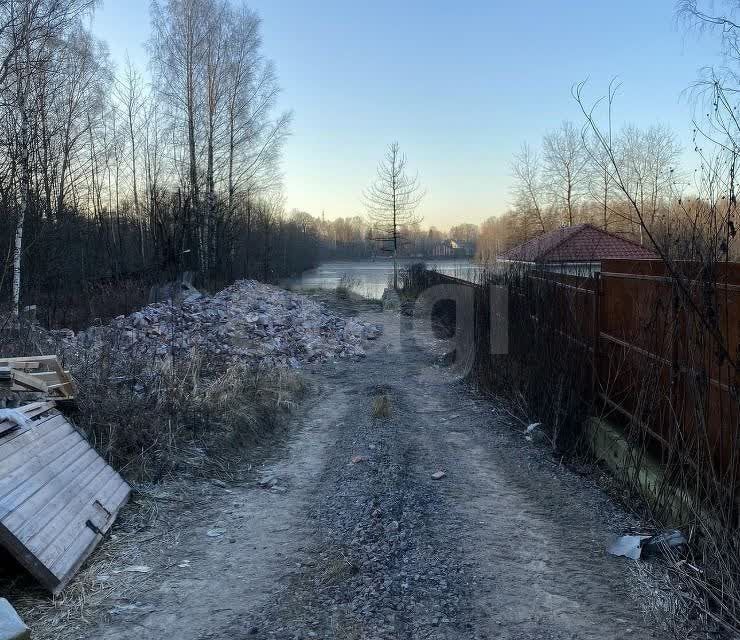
(249, 321)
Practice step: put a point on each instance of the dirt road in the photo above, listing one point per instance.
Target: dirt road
(509, 544)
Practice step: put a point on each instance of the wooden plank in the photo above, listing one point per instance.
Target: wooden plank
(21, 438)
(115, 489)
(34, 361)
(32, 411)
(27, 380)
(33, 436)
(53, 497)
(27, 559)
(52, 483)
(7, 427)
(22, 484)
(31, 406)
(45, 368)
(40, 420)
(54, 541)
(50, 377)
(80, 551)
(48, 502)
(33, 469)
(5, 440)
(20, 363)
(79, 545)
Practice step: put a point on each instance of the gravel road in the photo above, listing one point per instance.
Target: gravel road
(508, 544)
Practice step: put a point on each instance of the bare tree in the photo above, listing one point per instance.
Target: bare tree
(528, 187)
(130, 93)
(31, 28)
(178, 46)
(392, 200)
(565, 168)
(600, 183)
(112, 179)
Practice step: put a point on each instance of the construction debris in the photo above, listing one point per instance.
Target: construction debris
(14, 418)
(663, 543)
(58, 497)
(39, 375)
(249, 321)
(627, 546)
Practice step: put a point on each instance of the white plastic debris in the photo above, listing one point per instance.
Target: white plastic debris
(627, 546)
(666, 542)
(11, 625)
(14, 416)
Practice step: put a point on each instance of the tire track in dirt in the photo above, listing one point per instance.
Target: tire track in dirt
(508, 545)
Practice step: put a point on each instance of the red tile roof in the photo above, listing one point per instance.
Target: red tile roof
(579, 243)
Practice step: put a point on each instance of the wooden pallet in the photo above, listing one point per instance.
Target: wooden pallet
(58, 497)
(38, 374)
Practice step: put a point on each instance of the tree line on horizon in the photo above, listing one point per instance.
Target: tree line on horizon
(108, 174)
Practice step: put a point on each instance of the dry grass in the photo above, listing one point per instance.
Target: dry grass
(151, 419)
(145, 534)
(381, 406)
(102, 580)
(347, 284)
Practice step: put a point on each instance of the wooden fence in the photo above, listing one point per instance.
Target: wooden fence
(667, 355)
(661, 351)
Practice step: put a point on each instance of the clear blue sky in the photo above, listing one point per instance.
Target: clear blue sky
(460, 85)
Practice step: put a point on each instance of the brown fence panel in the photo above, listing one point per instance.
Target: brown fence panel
(668, 353)
(661, 353)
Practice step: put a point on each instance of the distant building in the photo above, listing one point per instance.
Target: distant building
(576, 250)
(445, 249)
(453, 249)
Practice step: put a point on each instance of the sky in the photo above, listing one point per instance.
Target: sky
(460, 85)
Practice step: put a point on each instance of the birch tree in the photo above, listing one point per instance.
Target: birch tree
(177, 47)
(30, 28)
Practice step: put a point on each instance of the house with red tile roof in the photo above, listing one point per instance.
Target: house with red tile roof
(577, 249)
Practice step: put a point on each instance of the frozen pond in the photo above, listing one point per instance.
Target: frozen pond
(371, 277)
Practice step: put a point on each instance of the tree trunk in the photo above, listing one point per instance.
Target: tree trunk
(190, 100)
(137, 212)
(24, 191)
(211, 198)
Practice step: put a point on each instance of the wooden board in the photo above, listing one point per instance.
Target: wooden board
(42, 374)
(58, 497)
